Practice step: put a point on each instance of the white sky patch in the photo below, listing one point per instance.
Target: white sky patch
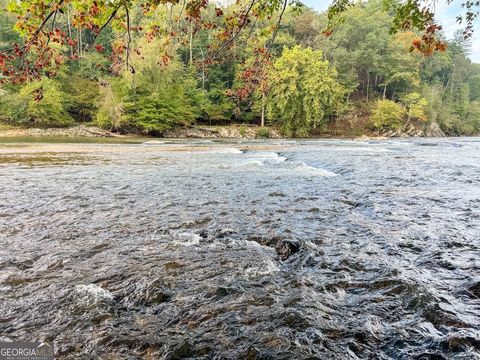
(447, 17)
(445, 14)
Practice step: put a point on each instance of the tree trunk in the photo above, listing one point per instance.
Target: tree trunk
(368, 84)
(384, 91)
(204, 74)
(191, 44)
(406, 124)
(446, 87)
(262, 122)
(451, 85)
(78, 40)
(80, 45)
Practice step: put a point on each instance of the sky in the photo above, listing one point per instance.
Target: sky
(445, 14)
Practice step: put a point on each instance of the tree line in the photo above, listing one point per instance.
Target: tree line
(360, 77)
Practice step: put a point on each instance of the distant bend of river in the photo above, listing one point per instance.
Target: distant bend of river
(243, 250)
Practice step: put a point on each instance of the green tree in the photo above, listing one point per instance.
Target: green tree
(47, 111)
(156, 98)
(474, 83)
(304, 91)
(110, 109)
(473, 118)
(81, 96)
(416, 108)
(359, 47)
(387, 114)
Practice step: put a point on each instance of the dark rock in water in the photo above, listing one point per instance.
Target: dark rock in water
(182, 351)
(287, 248)
(252, 353)
(221, 292)
(203, 234)
(172, 265)
(293, 319)
(270, 241)
(460, 344)
(430, 356)
(277, 194)
(284, 248)
(475, 289)
(224, 291)
(223, 233)
(157, 297)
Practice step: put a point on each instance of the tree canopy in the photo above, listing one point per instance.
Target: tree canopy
(304, 90)
(163, 66)
(48, 39)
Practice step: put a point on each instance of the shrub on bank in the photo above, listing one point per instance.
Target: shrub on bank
(39, 103)
(262, 133)
(242, 130)
(387, 114)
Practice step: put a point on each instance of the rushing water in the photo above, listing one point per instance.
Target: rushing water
(255, 250)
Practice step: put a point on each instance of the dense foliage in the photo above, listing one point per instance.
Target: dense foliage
(179, 71)
(304, 90)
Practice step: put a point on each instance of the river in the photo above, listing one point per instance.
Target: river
(322, 249)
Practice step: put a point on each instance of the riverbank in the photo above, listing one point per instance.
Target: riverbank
(96, 134)
(194, 132)
(74, 131)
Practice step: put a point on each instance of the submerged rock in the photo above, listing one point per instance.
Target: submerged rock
(182, 351)
(252, 353)
(156, 292)
(475, 289)
(284, 248)
(287, 248)
(223, 233)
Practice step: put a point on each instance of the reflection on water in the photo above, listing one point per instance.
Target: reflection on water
(257, 250)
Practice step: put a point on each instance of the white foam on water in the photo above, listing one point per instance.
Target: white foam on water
(242, 162)
(153, 142)
(266, 156)
(360, 148)
(252, 162)
(311, 170)
(186, 238)
(251, 158)
(94, 291)
(254, 244)
(226, 151)
(263, 267)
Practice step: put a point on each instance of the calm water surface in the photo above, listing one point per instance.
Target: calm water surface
(254, 250)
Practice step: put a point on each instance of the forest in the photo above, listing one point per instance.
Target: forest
(358, 79)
